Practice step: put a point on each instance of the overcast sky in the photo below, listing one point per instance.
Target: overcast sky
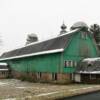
(43, 17)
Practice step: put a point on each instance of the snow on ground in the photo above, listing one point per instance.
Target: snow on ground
(2, 84)
(10, 89)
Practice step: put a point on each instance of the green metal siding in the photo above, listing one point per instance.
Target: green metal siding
(42, 63)
(78, 49)
(69, 70)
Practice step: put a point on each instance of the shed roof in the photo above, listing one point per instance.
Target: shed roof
(87, 70)
(89, 65)
(91, 59)
(3, 67)
(3, 64)
(53, 45)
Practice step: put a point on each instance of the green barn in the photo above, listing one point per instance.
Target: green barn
(53, 60)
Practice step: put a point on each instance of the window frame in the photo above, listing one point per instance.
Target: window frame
(68, 63)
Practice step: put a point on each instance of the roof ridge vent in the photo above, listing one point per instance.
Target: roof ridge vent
(63, 29)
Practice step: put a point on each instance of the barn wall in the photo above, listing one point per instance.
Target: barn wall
(42, 63)
(79, 48)
(29, 68)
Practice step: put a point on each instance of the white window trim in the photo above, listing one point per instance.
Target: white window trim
(68, 63)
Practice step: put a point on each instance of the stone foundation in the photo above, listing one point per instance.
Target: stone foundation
(64, 78)
(46, 77)
(42, 77)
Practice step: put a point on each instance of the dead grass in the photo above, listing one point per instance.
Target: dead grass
(21, 90)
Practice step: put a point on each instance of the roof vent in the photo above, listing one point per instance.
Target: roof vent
(63, 29)
(31, 38)
(79, 25)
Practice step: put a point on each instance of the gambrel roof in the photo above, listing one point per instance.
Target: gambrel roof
(53, 45)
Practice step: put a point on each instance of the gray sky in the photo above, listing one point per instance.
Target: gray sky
(43, 17)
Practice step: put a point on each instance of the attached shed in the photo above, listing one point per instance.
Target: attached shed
(4, 70)
(54, 59)
(88, 71)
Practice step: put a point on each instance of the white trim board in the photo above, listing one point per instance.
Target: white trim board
(34, 54)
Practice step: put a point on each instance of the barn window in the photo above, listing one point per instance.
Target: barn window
(54, 76)
(68, 63)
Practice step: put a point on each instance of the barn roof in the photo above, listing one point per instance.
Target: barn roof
(53, 45)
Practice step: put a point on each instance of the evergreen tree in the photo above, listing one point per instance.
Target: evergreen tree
(95, 30)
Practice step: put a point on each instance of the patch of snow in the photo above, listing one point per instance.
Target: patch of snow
(84, 88)
(80, 89)
(3, 64)
(44, 94)
(1, 83)
(91, 59)
(89, 72)
(10, 99)
(21, 87)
